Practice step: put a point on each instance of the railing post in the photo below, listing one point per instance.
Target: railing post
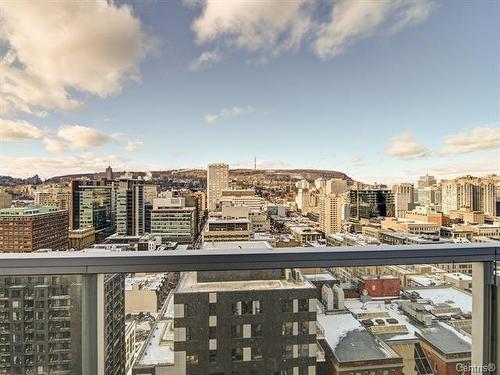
(89, 324)
(484, 315)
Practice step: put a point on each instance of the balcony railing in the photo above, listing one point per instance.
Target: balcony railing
(91, 266)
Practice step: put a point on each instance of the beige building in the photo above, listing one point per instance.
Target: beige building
(5, 199)
(426, 214)
(150, 193)
(403, 198)
(145, 293)
(458, 280)
(217, 180)
(129, 345)
(335, 186)
(467, 215)
(81, 238)
(56, 196)
(330, 213)
(477, 194)
(410, 226)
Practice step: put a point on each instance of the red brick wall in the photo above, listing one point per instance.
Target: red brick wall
(383, 287)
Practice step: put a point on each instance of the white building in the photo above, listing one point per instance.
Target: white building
(217, 180)
(330, 213)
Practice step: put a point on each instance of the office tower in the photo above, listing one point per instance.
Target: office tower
(320, 183)
(477, 194)
(109, 173)
(42, 330)
(430, 196)
(426, 181)
(130, 208)
(150, 193)
(5, 199)
(302, 199)
(171, 219)
(92, 206)
(374, 202)
(403, 197)
(302, 184)
(57, 196)
(217, 180)
(245, 322)
(330, 213)
(335, 186)
(32, 228)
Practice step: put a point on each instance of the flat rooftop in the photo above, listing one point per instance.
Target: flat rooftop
(447, 339)
(189, 284)
(236, 245)
(350, 341)
(446, 295)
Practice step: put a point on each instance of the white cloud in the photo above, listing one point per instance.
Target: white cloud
(477, 166)
(358, 161)
(133, 146)
(55, 47)
(19, 130)
(54, 145)
(404, 146)
(229, 112)
(477, 139)
(351, 20)
(205, 60)
(82, 137)
(254, 25)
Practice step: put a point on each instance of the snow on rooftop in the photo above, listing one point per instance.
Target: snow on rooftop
(337, 326)
(446, 294)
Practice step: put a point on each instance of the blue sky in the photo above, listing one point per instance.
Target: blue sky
(383, 91)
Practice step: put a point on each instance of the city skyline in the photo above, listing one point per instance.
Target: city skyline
(414, 90)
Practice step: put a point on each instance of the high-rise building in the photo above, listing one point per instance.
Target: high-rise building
(403, 197)
(335, 186)
(150, 193)
(41, 325)
(430, 196)
(302, 199)
(245, 322)
(302, 184)
(477, 194)
(372, 202)
(32, 228)
(171, 219)
(5, 199)
(217, 180)
(57, 196)
(330, 213)
(130, 218)
(109, 173)
(320, 183)
(426, 181)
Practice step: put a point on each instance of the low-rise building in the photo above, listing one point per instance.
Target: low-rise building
(81, 238)
(147, 293)
(410, 226)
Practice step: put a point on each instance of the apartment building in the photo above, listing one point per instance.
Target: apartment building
(31, 228)
(246, 322)
(330, 213)
(171, 219)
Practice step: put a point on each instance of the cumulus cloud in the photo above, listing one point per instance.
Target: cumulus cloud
(272, 27)
(404, 146)
(228, 112)
(82, 137)
(133, 146)
(351, 20)
(54, 145)
(55, 48)
(56, 166)
(254, 25)
(477, 139)
(205, 60)
(19, 130)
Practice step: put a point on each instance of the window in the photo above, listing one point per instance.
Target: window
(212, 356)
(304, 328)
(236, 331)
(303, 305)
(304, 350)
(212, 332)
(287, 351)
(287, 329)
(237, 354)
(256, 353)
(190, 333)
(256, 330)
(192, 358)
(246, 307)
(287, 305)
(212, 309)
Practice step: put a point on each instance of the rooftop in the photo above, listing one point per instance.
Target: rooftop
(446, 294)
